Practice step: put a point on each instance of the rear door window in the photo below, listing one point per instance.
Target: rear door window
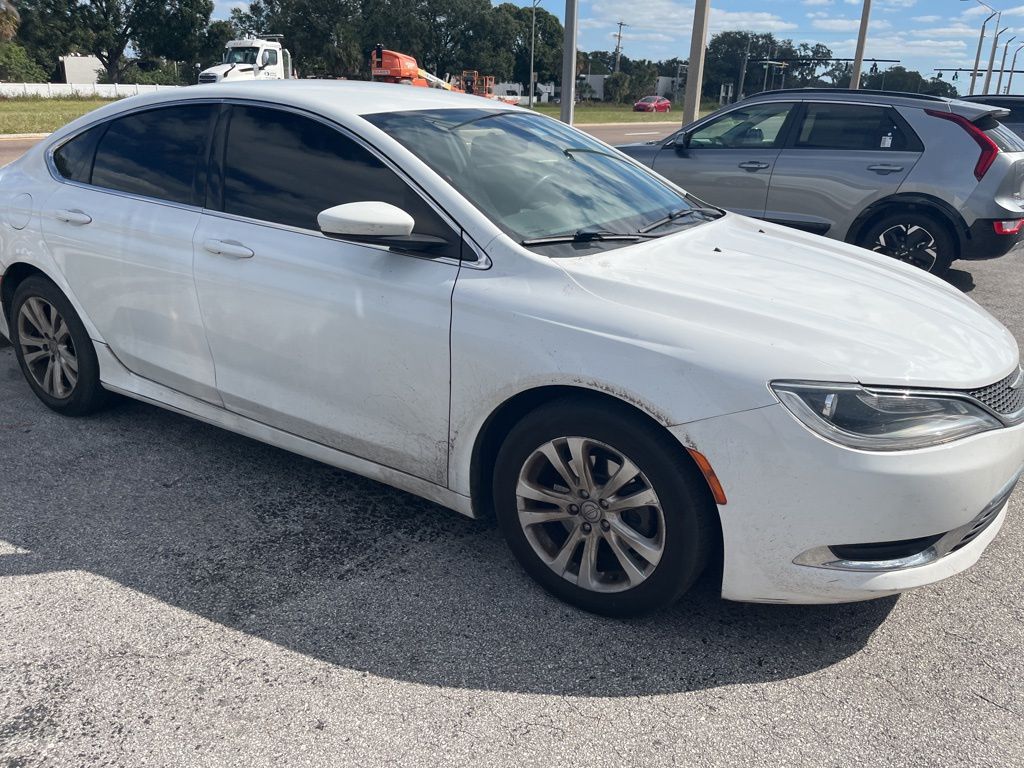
(855, 127)
(157, 153)
(73, 159)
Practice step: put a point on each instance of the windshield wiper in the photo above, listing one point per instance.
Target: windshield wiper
(489, 115)
(585, 236)
(714, 213)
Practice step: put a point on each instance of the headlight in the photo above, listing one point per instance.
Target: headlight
(879, 419)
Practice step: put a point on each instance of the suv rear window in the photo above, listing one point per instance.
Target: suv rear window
(855, 127)
(1004, 138)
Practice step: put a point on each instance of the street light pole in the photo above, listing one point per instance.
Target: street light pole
(1013, 66)
(1002, 65)
(569, 62)
(858, 57)
(695, 70)
(533, 38)
(977, 56)
(992, 55)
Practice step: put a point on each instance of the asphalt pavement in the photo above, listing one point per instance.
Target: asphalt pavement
(175, 595)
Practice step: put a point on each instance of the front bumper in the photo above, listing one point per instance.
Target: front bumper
(791, 494)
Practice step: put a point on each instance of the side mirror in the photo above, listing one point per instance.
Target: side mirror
(681, 144)
(375, 223)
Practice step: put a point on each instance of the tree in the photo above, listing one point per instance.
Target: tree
(617, 86)
(16, 66)
(49, 29)
(8, 20)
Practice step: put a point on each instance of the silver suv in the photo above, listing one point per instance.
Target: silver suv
(923, 179)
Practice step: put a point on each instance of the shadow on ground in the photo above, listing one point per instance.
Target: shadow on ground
(352, 572)
(960, 278)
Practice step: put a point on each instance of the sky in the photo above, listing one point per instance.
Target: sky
(922, 34)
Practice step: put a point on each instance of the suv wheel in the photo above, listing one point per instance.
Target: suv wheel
(602, 509)
(914, 238)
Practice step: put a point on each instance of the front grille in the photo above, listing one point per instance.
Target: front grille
(207, 78)
(1001, 397)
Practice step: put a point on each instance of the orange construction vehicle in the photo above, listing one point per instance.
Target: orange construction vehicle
(394, 67)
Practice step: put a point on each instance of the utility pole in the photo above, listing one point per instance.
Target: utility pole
(569, 61)
(743, 69)
(695, 70)
(858, 57)
(977, 56)
(992, 55)
(1002, 65)
(618, 44)
(1013, 66)
(533, 38)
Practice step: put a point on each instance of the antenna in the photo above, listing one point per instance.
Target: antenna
(618, 44)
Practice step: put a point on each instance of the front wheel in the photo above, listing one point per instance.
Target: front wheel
(602, 508)
(914, 238)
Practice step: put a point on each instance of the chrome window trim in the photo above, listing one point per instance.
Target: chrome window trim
(484, 262)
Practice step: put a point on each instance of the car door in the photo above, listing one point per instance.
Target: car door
(841, 158)
(728, 160)
(342, 343)
(121, 231)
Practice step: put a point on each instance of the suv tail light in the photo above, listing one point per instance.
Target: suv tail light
(989, 150)
(1008, 226)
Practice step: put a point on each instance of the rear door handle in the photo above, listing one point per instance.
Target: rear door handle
(754, 165)
(884, 168)
(76, 217)
(228, 248)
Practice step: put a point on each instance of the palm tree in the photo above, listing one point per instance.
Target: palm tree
(8, 20)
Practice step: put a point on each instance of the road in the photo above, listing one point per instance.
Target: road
(12, 149)
(172, 594)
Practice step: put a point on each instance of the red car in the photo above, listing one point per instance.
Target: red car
(653, 104)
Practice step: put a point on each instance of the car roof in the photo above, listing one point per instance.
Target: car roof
(970, 110)
(331, 98)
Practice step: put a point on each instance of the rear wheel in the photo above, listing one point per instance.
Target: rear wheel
(602, 508)
(914, 238)
(54, 350)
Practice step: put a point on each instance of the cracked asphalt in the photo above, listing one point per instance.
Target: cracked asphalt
(174, 595)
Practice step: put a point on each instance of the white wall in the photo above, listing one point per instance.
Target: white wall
(103, 90)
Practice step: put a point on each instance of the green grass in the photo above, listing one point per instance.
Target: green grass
(38, 115)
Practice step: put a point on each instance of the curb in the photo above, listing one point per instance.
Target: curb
(660, 124)
(22, 136)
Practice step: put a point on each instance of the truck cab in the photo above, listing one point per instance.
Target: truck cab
(262, 58)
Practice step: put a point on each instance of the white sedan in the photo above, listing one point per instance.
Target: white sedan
(485, 307)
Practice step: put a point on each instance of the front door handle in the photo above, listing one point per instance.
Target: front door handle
(230, 248)
(75, 217)
(754, 165)
(884, 168)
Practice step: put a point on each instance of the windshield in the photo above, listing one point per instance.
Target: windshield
(648, 99)
(536, 177)
(240, 55)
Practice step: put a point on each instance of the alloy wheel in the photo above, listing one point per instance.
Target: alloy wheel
(909, 243)
(590, 514)
(47, 348)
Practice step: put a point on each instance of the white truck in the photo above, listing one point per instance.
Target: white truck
(254, 58)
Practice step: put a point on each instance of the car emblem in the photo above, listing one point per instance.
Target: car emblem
(1019, 381)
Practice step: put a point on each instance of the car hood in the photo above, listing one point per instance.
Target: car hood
(231, 71)
(803, 305)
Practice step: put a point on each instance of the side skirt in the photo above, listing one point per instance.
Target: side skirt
(115, 377)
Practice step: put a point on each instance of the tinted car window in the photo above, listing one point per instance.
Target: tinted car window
(286, 168)
(853, 127)
(1004, 137)
(156, 153)
(74, 158)
(753, 127)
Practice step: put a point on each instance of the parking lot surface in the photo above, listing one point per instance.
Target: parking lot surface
(172, 594)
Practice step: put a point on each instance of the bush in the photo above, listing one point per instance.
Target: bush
(17, 67)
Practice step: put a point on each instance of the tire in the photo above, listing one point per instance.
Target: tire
(919, 239)
(54, 350)
(661, 548)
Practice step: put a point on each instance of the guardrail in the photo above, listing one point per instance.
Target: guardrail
(63, 90)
